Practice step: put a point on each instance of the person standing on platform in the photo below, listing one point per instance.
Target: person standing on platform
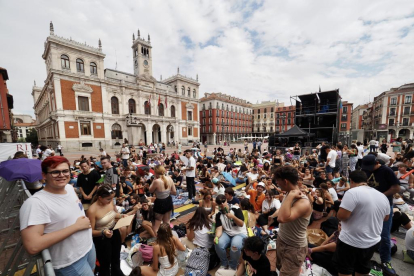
(190, 175)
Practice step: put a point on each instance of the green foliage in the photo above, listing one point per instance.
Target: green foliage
(31, 137)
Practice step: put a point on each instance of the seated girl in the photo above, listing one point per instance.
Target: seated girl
(164, 260)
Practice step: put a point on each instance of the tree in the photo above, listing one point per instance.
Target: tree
(31, 137)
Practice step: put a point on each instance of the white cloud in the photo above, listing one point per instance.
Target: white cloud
(257, 50)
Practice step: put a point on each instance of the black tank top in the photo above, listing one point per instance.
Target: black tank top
(296, 151)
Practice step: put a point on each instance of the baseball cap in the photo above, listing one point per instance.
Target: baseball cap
(214, 180)
(369, 162)
(261, 184)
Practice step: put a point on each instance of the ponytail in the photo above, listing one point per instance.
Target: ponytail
(160, 170)
(164, 179)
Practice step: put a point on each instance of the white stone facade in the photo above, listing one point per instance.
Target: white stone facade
(82, 105)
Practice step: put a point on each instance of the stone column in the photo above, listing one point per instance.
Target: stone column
(214, 138)
(149, 133)
(163, 133)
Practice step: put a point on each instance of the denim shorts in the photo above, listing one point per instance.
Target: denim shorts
(82, 267)
(329, 169)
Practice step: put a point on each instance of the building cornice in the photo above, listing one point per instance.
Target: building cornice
(181, 78)
(71, 44)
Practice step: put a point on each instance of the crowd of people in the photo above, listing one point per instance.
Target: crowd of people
(366, 192)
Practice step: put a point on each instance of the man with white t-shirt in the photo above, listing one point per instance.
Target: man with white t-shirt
(54, 218)
(362, 212)
(330, 161)
(190, 175)
(125, 155)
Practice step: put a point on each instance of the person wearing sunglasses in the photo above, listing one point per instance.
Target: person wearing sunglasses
(54, 219)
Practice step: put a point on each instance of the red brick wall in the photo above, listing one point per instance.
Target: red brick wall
(195, 113)
(69, 99)
(4, 121)
(184, 132)
(72, 132)
(68, 95)
(96, 99)
(98, 133)
(195, 132)
(183, 111)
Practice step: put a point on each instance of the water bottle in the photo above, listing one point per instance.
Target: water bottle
(194, 273)
(126, 204)
(139, 218)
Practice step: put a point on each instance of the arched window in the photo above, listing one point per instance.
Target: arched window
(160, 109)
(183, 90)
(147, 108)
(227, 109)
(79, 65)
(194, 94)
(222, 106)
(132, 106)
(172, 111)
(116, 131)
(65, 61)
(217, 106)
(189, 92)
(94, 69)
(115, 105)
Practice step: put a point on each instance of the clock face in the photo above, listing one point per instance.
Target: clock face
(145, 63)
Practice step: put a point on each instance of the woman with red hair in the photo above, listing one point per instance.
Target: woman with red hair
(54, 218)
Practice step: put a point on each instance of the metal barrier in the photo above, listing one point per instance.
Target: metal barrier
(13, 256)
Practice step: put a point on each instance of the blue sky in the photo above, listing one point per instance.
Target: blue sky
(256, 50)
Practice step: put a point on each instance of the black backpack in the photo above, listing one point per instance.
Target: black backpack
(330, 226)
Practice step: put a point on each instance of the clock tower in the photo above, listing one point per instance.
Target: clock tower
(142, 53)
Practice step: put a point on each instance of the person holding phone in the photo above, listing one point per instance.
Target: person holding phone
(230, 231)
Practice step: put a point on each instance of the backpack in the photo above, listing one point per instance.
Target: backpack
(147, 252)
(330, 226)
(198, 262)
(214, 259)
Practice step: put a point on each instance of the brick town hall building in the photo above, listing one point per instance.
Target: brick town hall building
(83, 105)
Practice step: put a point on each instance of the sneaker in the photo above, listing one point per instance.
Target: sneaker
(188, 201)
(224, 267)
(388, 270)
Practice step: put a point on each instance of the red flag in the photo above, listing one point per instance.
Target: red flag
(159, 99)
(165, 102)
(149, 101)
